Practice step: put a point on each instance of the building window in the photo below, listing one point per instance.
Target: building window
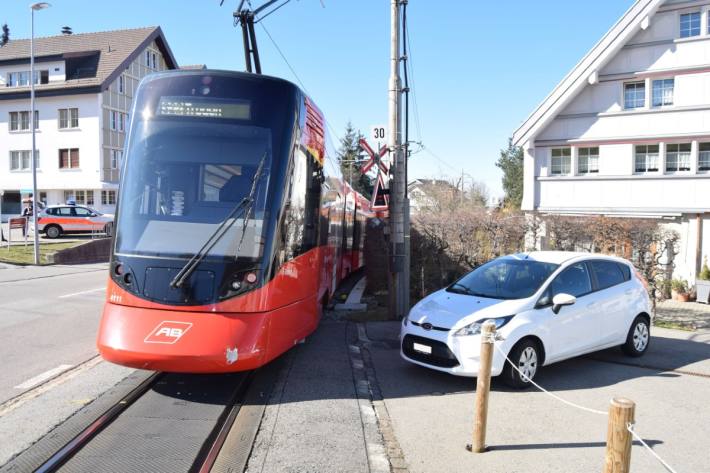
(678, 157)
(588, 160)
(20, 121)
(635, 95)
(68, 118)
(108, 197)
(704, 158)
(690, 24)
(20, 160)
(646, 159)
(22, 78)
(663, 92)
(116, 158)
(155, 60)
(147, 58)
(117, 121)
(121, 85)
(561, 162)
(69, 158)
(80, 197)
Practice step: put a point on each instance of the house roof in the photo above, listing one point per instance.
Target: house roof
(587, 70)
(113, 50)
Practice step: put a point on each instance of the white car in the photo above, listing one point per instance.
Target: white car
(548, 306)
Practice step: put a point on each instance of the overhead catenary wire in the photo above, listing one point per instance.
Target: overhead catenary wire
(329, 127)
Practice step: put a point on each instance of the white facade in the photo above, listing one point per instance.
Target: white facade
(97, 139)
(627, 132)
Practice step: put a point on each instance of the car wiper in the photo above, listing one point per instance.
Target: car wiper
(463, 289)
(246, 204)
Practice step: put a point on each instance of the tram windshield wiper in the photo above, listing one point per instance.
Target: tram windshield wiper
(246, 206)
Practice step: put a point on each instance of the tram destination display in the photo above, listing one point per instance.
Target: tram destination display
(203, 107)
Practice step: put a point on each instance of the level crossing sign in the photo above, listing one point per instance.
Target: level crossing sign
(380, 194)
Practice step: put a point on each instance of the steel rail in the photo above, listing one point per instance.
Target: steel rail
(81, 439)
(209, 452)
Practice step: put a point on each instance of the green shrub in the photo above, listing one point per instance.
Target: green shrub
(705, 272)
(680, 286)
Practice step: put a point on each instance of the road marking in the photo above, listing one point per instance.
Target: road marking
(40, 378)
(17, 401)
(82, 292)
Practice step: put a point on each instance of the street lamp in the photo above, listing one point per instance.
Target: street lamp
(34, 7)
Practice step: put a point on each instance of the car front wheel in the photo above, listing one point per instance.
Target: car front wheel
(638, 338)
(527, 358)
(53, 231)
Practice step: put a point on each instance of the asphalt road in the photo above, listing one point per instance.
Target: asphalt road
(48, 321)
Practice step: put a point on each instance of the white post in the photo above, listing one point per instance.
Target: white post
(34, 146)
(2, 193)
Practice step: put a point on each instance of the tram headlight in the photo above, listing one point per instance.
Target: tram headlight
(236, 285)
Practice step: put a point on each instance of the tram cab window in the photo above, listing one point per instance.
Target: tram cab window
(186, 179)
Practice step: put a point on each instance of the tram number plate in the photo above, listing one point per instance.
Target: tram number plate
(422, 348)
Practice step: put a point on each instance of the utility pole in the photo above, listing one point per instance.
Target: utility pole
(399, 204)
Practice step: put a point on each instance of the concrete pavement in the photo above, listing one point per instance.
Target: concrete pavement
(48, 320)
(432, 413)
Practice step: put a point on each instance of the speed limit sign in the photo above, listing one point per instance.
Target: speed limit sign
(378, 133)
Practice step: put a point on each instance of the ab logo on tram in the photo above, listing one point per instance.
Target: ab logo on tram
(168, 331)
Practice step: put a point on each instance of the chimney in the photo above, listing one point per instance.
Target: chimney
(66, 30)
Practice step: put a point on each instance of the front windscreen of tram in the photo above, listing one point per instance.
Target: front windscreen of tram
(195, 148)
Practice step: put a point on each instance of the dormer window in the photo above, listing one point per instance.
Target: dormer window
(690, 24)
(22, 78)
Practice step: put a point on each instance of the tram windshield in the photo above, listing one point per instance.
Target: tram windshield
(186, 170)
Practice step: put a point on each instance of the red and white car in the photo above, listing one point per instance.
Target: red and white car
(57, 220)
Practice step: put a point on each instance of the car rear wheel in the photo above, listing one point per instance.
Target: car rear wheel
(638, 338)
(527, 358)
(53, 231)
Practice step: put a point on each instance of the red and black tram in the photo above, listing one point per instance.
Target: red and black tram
(232, 228)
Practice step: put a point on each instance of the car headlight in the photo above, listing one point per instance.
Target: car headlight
(475, 327)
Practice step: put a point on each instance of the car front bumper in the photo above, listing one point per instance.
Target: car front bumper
(460, 356)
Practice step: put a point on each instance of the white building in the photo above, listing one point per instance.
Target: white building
(85, 86)
(627, 131)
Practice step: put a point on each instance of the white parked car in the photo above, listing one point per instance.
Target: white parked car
(548, 306)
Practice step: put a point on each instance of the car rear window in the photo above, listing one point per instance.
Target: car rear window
(608, 273)
(626, 271)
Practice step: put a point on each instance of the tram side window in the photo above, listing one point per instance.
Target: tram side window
(301, 215)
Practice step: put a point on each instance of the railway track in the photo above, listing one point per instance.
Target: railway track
(167, 422)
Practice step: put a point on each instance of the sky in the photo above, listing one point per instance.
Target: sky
(479, 68)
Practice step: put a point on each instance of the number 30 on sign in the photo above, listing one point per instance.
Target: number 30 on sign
(378, 133)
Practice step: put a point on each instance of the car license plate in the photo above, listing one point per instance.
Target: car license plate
(422, 348)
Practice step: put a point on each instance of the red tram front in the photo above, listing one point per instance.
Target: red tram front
(232, 229)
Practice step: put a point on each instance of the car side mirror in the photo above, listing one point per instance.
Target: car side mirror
(561, 300)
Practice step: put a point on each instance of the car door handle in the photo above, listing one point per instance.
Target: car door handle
(629, 292)
(592, 305)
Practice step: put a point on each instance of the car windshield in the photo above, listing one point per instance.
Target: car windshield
(504, 278)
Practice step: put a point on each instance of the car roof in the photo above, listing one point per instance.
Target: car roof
(560, 257)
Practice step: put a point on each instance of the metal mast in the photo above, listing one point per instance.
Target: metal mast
(399, 204)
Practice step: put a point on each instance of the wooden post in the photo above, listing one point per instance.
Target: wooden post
(618, 437)
(483, 387)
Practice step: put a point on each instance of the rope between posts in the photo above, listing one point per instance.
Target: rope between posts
(630, 428)
(569, 403)
(491, 339)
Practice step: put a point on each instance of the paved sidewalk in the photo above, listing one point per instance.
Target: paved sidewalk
(432, 413)
(319, 417)
(688, 314)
